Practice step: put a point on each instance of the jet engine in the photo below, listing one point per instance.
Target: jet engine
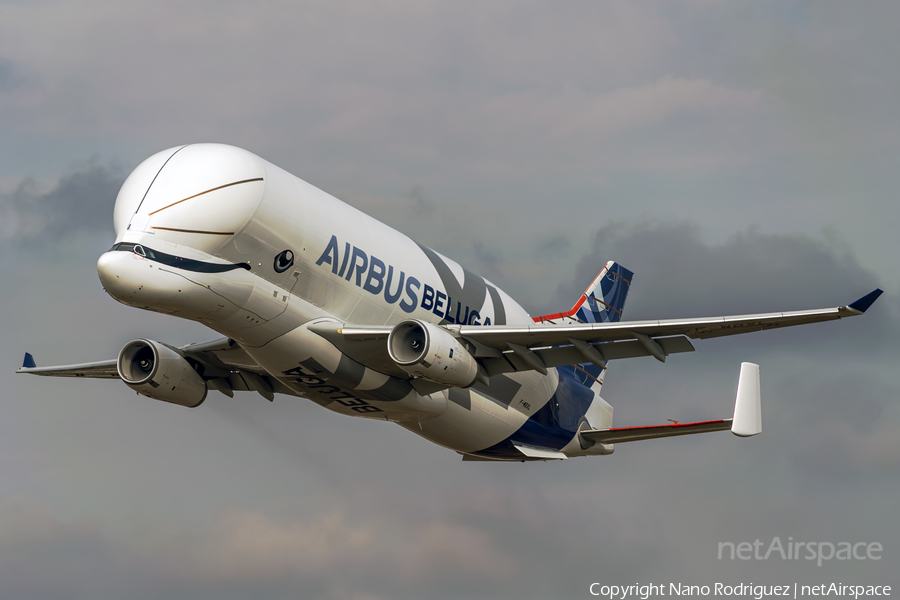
(431, 352)
(159, 372)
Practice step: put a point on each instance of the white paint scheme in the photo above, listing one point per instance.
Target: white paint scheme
(319, 327)
(747, 409)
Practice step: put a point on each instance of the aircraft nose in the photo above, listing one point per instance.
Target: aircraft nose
(125, 276)
(110, 269)
(133, 280)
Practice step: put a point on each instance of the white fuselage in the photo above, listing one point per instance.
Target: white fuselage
(231, 241)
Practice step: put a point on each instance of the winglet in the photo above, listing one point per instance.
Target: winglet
(29, 361)
(863, 304)
(747, 413)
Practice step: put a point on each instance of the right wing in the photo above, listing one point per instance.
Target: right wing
(104, 369)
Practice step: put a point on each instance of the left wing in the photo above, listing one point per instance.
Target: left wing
(499, 336)
(508, 348)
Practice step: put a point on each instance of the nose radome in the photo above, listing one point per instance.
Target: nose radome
(111, 268)
(136, 281)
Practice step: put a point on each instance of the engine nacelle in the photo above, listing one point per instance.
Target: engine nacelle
(156, 371)
(430, 352)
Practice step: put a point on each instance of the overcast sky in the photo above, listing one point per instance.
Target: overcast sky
(737, 156)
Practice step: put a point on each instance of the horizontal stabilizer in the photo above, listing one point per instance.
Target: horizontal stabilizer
(649, 432)
(746, 422)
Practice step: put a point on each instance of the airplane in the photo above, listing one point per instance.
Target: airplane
(318, 300)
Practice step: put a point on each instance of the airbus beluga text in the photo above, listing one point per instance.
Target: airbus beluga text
(318, 300)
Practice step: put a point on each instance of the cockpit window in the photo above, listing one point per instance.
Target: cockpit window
(188, 264)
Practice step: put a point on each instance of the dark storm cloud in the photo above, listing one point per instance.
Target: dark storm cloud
(678, 274)
(80, 203)
(848, 422)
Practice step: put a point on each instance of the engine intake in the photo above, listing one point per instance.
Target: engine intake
(431, 352)
(159, 372)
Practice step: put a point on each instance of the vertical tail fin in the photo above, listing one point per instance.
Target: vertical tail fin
(604, 299)
(602, 302)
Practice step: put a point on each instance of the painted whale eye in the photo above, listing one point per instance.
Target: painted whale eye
(284, 261)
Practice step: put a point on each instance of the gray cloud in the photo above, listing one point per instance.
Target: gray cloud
(490, 262)
(423, 206)
(553, 249)
(854, 419)
(488, 541)
(79, 204)
(678, 274)
(11, 75)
